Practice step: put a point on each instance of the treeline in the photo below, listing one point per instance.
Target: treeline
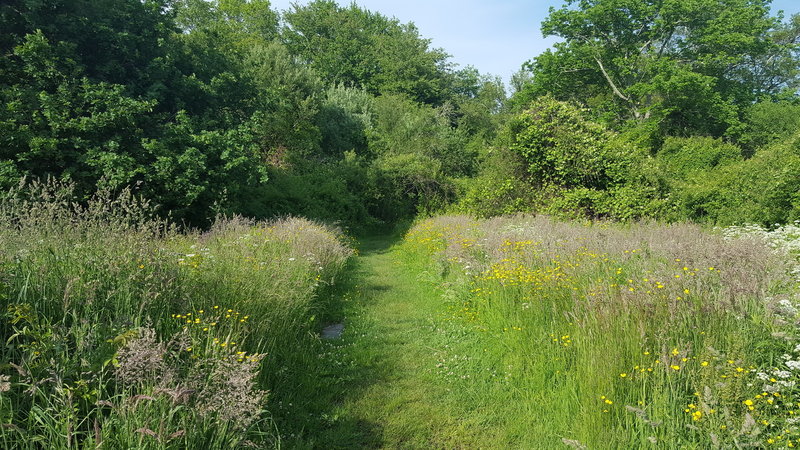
(645, 108)
(648, 108)
(227, 106)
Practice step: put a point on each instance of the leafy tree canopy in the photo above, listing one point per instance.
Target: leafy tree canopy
(359, 48)
(687, 66)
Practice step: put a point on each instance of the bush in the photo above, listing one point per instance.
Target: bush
(558, 162)
(767, 122)
(763, 189)
(680, 158)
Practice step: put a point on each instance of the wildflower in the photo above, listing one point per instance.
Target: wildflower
(704, 363)
(674, 367)
(623, 375)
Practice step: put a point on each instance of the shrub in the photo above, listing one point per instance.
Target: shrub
(763, 189)
(558, 162)
(767, 122)
(680, 158)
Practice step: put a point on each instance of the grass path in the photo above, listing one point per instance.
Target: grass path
(376, 388)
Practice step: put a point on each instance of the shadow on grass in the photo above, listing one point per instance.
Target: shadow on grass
(307, 402)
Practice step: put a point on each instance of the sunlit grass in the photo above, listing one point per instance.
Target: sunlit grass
(120, 330)
(615, 336)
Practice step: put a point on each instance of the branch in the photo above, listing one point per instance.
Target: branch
(610, 81)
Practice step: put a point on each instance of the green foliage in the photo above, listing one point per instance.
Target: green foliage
(344, 118)
(59, 125)
(563, 149)
(194, 102)
(245, 23)
(480, 113)
(360, 48)
(687, 67)
(767, 122)
(762, 190)
(564, 164)
(680, 158)
(119, 42)
(336, 193)
(404, 127)
(286, 95)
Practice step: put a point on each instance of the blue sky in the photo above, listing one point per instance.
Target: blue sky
(496, 37)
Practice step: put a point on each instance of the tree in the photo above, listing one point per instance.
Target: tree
(114, 41)
(244, 22)
(359, 48)
(687, 66)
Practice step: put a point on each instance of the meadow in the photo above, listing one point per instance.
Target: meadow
(121, 331)
(599, 335)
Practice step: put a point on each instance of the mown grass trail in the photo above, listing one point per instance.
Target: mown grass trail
(378, 389)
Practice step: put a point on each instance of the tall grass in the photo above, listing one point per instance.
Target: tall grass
(119, 330)
(608, 336)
